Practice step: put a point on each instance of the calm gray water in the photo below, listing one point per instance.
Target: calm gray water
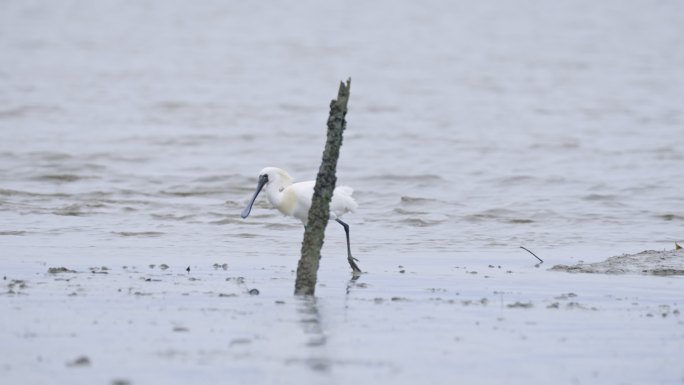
(137, 128)
(132, 133)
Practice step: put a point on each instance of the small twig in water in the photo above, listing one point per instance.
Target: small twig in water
(535, 255)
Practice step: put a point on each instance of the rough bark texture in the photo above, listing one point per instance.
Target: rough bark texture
(307, 269)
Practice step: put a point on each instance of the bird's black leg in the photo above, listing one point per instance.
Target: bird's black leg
(350, 259)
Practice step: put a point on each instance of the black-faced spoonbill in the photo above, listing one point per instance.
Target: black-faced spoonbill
(295, 200)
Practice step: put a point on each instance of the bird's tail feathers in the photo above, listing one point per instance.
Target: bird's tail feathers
(344, 193)
(344, 190)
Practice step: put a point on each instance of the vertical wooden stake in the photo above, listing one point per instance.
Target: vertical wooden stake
(307, 269)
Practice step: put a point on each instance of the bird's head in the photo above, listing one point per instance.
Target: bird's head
(276, 176)
(269, 176)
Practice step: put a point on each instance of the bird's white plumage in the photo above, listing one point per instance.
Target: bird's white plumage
(294, 199)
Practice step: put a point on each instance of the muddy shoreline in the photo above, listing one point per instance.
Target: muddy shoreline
(142, 321)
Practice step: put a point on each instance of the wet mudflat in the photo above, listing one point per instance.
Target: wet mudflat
(503, 322)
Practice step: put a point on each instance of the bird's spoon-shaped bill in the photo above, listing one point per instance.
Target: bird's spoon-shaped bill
(263, 179)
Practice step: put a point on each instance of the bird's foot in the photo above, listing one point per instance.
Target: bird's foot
(354, 266)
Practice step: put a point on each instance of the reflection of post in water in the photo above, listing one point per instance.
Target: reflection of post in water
(310, 320)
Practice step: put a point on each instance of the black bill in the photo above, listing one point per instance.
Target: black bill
(263, 179)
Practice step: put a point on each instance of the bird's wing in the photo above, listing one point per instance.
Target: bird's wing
(304, 190)
(342, 201)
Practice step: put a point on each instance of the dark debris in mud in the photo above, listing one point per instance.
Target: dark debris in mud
(79, 362)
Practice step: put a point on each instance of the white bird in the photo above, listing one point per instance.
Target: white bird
(295, 200)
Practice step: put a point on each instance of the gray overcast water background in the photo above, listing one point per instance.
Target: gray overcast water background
(137, 128)
(132, 133)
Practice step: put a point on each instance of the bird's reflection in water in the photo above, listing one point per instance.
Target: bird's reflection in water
(352, 283)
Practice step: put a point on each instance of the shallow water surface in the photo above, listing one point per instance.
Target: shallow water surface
(135, 132)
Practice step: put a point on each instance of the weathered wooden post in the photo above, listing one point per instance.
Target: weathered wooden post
(307, 269)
